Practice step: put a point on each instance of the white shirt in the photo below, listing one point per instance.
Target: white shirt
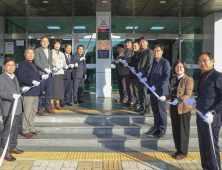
(179, 77)
(11, 76)
(68, 56)
(46, 52)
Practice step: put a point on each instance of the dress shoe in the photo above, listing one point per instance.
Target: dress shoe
(58, 106)
(41, 113)
(151, 131)
(134, 107)
(175, 154)
(80, 101)
(181, 156)
(9, 157)
(62, 104)
(16, 151)
(124, 100)
(52, 106)
(75, 102)
(36, 132)
(162, 134)
(28, 135)
(119, 100)
(49, 111)
(69, 104)
(140, 109)
(156, 134)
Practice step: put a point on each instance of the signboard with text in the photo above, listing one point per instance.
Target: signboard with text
(103, 54)
(103, 35)
(103, 24)
(9, 47)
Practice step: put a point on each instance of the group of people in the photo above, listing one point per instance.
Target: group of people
(55, 72)
(139, 64)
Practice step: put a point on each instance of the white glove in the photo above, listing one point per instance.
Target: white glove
(47, 71)
(153, 88)
(117, 61)
(76, 65)
(35, 83)
(26, 88)
(132, 68)
(190, 101)
(71, 65)
(175, 102)
(45, 76)
(133, 71)
(16, 96)
(208, 117)
(85, 76)
(139, 74)
(113, 61)
(144, 79)
(123, 61)
(55, 69)
(82, 58)
(125, 64)
(162, 98)
(66, 67)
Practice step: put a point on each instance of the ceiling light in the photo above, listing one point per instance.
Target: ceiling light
(38, 39)
(104, 2)
(130, 27)
(79, 27)
(157, 28)
(30, 37)
(53, 27)
(152, 39)
(45, 2)
(52, 37)
(66, 39)
(162, 2)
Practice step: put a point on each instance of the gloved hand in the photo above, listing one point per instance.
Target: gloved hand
(71, 65)
(112, 60)
(85, 76)
(117, 61)
(47, 71)
(16, 96)
(66, 67)
(125, 64)
(144, 79)
(139, 74)
(132, 68)
(162, 98)
(123, 61)
(175, 102)
(208, 117)
(153, 88)
(76, 65)
(45, 76)
(82, 58)
(35, 83)
(133, 71)
(55, 69)
(190, 101)
(26, 88)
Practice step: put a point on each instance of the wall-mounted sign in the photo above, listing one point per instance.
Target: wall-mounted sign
(103, 24)
(9, 47)
(103, 35)
(20, 42)
(103, 45)
(103, 54)
(193, 66)
(76, 41)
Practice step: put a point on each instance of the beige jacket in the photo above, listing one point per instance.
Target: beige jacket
(58, 61)
(184, 91)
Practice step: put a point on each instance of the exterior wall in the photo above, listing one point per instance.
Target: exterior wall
(2, 44)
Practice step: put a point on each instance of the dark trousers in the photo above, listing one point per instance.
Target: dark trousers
(128, 88)
(143, 96)
(135, 89)
(68, 84)
(160, 114)
(47, 86)
(181, 130)
(120, 87)
(78, 88)
(208, 160)
(13, 134)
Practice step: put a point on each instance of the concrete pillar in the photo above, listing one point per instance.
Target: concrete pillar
(2, 41)
(103, 66)
(212, 37)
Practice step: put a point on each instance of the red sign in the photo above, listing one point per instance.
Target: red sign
(76, 41)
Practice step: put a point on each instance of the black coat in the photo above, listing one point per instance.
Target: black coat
(134, 63)
(80, 71)
(68, 72)
(127, 55)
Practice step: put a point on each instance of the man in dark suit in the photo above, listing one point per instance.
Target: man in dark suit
(209, 103)
(9, 90)
(43, 61)
(28, 74)
(143, 69)
(80, 74)
(159, 82)
(68, 77)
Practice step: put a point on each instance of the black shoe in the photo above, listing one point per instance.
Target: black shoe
(162, 134)
(156, 134)
(80, 101)
(75, 102)
(68, 104)
(140, 109)
(151, 131)
(128, 104)
(133, 107)
(62, 105)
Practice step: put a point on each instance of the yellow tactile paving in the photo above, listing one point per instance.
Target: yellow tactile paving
(24, 155)
(111, 156)
(41, 155)
(76, 155)
(58, 155)
(112, 164)
(93, 156)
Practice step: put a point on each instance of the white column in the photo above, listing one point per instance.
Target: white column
(103, 66)
(2, 41)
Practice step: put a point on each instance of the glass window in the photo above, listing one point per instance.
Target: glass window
(50, 25)
(156, 25)
(122, 25)
(192, 26)
(15, 25)
(84, 25)
(90, 82)
(91, 52)
(195, 74)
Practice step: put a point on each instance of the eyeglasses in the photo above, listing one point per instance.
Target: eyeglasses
(179, 67)
(205, 61)
(10, 65)
(156, 51)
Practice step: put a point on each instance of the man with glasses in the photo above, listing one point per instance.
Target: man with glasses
(209, 103)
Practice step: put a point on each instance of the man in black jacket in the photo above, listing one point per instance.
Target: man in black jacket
(80, 74)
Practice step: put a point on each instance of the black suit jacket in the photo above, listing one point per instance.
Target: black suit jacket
(210, 97)
(26, 74)
(80, 71)
(127, 55)
(68, 72)
(134, 63)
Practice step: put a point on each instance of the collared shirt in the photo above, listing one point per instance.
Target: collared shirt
(120, 54)
(11, 76)
(46, 52)
(143, 50)
(155, 62)
(68, 56)
(179, 77)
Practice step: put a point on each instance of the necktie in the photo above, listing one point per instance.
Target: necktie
(68, 58)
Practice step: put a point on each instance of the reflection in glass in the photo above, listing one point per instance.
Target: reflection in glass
(15, 25)
(191, 26)
(195, 73)
(90, 82)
